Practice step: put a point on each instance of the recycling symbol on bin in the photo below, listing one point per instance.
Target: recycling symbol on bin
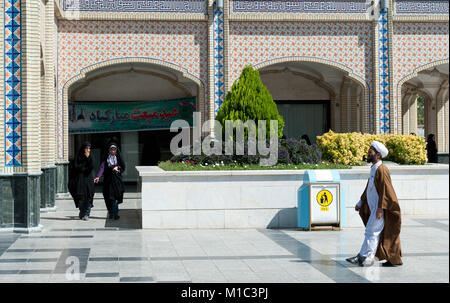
(324, 198)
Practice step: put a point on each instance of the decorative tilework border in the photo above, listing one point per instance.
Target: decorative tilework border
(13, 82)
(160, 6)
(298, 6)
(420, 18)
(421, 7)
(218, 49)
(384, 91)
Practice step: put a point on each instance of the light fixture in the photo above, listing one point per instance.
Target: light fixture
(435, 73)
(219, 3)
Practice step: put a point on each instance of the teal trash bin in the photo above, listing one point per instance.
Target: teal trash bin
(321, 202)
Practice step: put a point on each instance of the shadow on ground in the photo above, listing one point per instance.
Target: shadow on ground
(129, 219)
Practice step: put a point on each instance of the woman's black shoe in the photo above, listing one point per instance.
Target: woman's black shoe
(110, 216)
(116, 217)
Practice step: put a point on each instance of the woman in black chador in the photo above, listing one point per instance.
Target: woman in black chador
(431, 149)
(111, 168)
(81, 181)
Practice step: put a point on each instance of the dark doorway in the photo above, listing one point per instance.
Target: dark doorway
(304, 117)
(139, 148)
(154, 146)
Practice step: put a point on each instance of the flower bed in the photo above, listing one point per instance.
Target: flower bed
(191, 165)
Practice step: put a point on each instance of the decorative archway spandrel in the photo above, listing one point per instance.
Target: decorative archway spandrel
(83, 44)
(340, 43)
(416, 46)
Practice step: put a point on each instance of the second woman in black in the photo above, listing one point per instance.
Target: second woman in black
(111, 169)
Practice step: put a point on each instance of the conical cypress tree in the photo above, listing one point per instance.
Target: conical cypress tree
(249, 99)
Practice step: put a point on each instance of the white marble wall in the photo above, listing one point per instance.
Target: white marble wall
(268, 199)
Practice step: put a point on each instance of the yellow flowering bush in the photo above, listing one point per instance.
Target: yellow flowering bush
(351, 148)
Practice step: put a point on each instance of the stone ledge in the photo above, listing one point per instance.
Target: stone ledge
(155, 171)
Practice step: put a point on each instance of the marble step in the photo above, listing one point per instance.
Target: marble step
(99, 195)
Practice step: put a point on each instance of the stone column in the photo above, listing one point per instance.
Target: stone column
(333, 110)
(62, 136)
(346, 92)
(48, 112)
(442, 136)
(393, 104)
(21, 171)
(410, 95)
(384, 67)
(216, 57)
(358, 111)
(413, 115)
(62, 179)
(374, 106)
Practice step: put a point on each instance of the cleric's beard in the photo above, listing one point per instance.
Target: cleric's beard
(370, 159)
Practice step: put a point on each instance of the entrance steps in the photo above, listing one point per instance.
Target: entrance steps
(130, 201)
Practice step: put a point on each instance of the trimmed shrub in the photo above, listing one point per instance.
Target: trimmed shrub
(406, 149)
(300, 152)
(249, 99)
(283, 155)
(351, 148)
(290, 151)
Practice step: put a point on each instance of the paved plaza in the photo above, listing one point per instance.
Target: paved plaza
(119, 251)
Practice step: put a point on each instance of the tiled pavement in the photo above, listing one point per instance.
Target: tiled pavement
(101, 250)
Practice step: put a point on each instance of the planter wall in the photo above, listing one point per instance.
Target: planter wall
(268, 199)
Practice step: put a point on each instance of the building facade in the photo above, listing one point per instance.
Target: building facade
(345, 65)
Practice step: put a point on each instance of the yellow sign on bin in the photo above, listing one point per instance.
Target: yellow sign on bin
(324, 198)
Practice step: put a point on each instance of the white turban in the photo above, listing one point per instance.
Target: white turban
(379, 147)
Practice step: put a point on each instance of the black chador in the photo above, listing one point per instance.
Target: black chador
(81, 181)
(111, 168)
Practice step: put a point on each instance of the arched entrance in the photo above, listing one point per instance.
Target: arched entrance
(431, 84)
(125, 85)
(314, 97)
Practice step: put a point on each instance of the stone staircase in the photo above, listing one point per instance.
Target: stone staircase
(130, 201)
(130, 212)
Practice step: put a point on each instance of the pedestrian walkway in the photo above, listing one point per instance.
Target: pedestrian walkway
(103, 250)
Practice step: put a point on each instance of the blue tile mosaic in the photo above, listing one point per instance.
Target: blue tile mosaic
(13, 83)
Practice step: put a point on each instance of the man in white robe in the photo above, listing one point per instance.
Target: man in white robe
(375, 224)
